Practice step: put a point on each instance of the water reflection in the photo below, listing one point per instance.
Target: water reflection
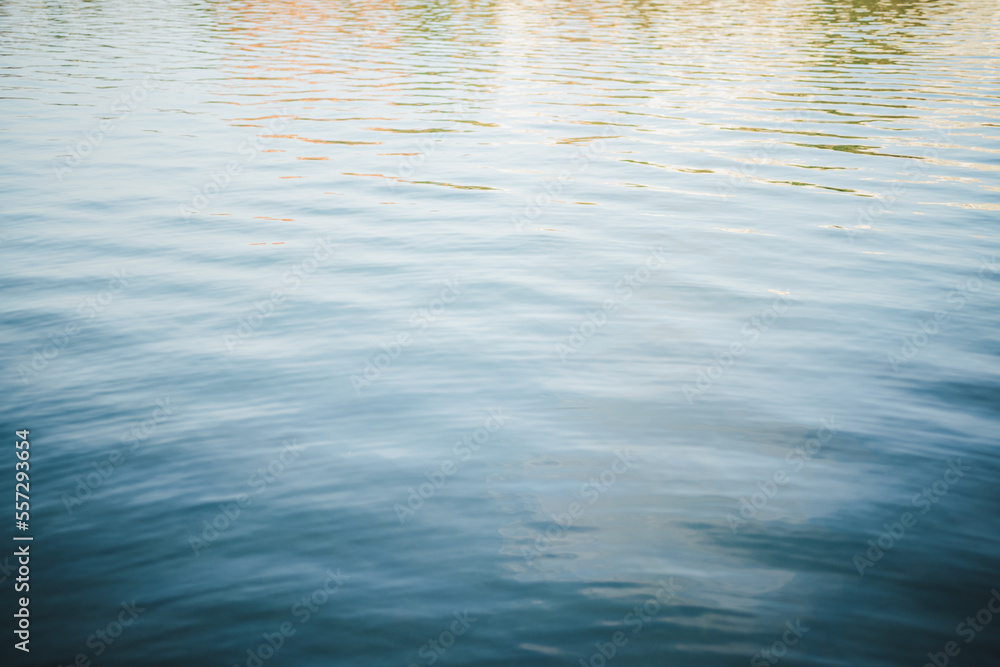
(816, 176)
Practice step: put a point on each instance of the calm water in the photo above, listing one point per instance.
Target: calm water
(493, 333)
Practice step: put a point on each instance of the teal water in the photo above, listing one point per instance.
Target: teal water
(492, 333)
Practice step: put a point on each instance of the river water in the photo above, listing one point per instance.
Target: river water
(492, 333)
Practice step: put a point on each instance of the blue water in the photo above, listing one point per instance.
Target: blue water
(493, 333)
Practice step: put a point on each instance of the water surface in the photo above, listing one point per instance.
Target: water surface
(566, 318)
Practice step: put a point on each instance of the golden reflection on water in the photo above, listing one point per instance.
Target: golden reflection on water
(704, 99)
